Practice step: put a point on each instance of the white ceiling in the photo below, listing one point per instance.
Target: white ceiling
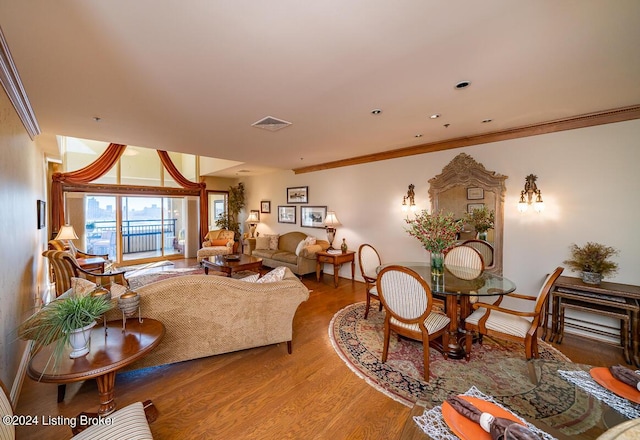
(192, 76)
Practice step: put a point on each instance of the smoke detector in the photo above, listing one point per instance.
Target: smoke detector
(270, 123)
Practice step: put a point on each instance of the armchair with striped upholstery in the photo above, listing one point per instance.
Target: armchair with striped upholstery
(65, 267)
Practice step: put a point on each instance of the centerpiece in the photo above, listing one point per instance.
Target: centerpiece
(437, 232)
(482, 220)
(592, 260)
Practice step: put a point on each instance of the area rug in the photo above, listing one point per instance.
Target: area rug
(137, 281)
(497, 368)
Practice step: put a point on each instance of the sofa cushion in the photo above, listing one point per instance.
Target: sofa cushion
(310, 251)
(263, 253)
(219, 242)
(285, 257)
(262, 243)
(276, 274)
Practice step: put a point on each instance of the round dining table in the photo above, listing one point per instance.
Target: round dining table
(459, 287)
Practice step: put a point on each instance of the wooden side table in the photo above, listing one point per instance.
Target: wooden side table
(337, 260)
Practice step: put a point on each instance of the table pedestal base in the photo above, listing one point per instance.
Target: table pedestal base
(106, 391)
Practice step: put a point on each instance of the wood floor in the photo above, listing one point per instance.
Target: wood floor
(262, 393)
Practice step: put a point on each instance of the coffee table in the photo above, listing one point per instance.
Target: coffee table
(228, 266)
(110, 351)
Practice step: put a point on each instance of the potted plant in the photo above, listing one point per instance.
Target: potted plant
(65, 320)
(482, 220)
(229, 220)
(437, 233)
(592, 260)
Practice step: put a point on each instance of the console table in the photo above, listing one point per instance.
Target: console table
(607, 299)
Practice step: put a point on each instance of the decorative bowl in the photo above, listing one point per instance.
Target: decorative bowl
(232, 257)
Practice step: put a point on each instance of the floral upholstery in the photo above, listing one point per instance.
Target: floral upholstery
(210, 249)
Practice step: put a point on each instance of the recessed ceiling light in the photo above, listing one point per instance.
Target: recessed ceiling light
(418, 135)
(376, 111)
(435, 116)
(462, 85)
(97, 118)
(486, 121)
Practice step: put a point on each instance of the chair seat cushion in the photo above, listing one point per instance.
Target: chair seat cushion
(502, 322)
(434, 323)
(374, 290)
(129, 422)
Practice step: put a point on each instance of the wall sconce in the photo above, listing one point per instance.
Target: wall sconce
(330, 222)
(411, 198)
(253, 221)
(530, 190)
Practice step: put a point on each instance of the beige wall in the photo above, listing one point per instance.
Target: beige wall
(22, 182)
(588, 177)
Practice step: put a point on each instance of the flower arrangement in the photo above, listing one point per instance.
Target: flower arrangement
(481, 219)
(437, 232)
(593, 258)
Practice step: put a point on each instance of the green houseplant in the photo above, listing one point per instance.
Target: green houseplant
(229, 219)
(57, 321)
(593, 260)
(482, 220)
(437, 232)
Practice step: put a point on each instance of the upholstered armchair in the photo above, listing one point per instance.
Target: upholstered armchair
(65, 267)
(58, 245)
(217, 242)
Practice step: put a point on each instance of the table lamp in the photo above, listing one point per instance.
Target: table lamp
(253, 221)
(66, 232)
(330, 222)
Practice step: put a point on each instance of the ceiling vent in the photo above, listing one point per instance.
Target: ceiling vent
(270, 123)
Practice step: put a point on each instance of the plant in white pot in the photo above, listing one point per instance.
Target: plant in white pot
(593, 261)
(63, 321)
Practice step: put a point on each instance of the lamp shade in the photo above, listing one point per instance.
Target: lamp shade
(253, 218)
(331, 220)
(66, 232)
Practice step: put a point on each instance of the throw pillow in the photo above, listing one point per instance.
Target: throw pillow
(273, 242)
(276, 274)
(219, 242)
(81, 286)
(117, 290)
(251, 278)
(310, 241)
(262, 243)
(299, 247)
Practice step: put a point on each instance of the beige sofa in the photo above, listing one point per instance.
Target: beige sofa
(205, 315)
(285, 253)
(217, 242)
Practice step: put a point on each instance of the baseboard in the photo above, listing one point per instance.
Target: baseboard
(16, 388)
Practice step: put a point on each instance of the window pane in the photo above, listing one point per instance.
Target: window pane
(186, 164)
(140, 166)
(78, 153)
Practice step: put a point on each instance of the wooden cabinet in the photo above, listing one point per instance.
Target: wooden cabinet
(620, 301)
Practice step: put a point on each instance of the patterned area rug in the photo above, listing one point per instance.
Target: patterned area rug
(137, 281)
(498, 368)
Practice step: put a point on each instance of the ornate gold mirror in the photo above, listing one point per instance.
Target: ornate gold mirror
(464, 185)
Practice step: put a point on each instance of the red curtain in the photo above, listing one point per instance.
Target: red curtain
(182, 181)
(91, 172)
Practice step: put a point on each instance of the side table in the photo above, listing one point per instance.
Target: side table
(337, 259)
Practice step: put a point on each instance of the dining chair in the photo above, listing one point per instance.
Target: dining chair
(485, 249)
(369, 260)
(513, 325)
(407, 300)
(464, 262)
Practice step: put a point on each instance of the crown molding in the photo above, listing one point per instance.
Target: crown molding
(571, 123)
(10, 80)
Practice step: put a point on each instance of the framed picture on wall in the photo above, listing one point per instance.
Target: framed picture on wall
(475, 193)
(287, 214)
(472, 206)
(265, 206)
(312, 216)
(256, 212)
(41, 207)
(298, 194)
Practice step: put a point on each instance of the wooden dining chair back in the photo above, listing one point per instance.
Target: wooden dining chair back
(407, 300)
(514, 325)
(369, 260)
(464, 262)
(485, 249)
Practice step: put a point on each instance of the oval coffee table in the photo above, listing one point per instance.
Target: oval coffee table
(109, 352)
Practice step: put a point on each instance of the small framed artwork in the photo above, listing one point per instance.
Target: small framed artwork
(256, 212)
(312, 216)
(475, 193)
(472, 206)
(42, 214)
(287, 214)
(265, 206)
(298, 194)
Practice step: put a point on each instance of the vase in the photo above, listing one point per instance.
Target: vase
(343, 246)
(591, 277)
(79, 340)
(437, 263)
(482, 235)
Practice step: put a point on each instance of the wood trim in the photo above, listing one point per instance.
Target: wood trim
(129, 189)
(571, 123)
